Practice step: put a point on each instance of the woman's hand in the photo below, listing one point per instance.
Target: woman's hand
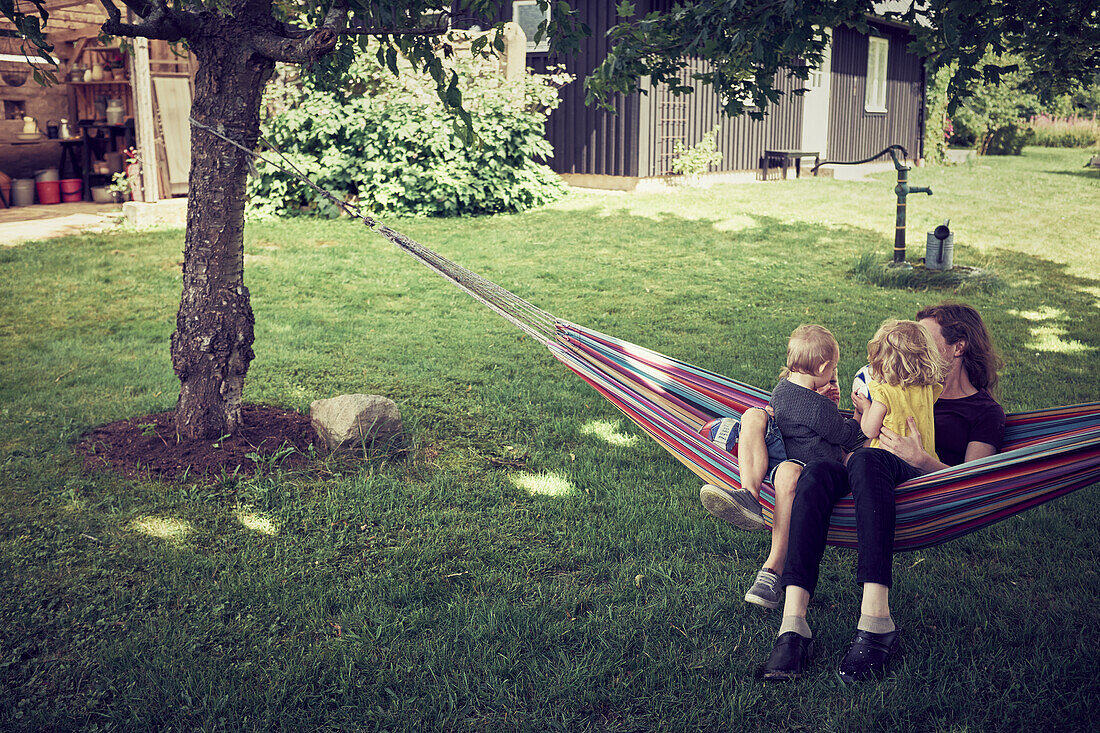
(909, 448)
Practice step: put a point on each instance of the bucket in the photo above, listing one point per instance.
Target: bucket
(940, 250)
(46, 174)
(71, 190)
(102, 195)
(22, 192)
(49, 192)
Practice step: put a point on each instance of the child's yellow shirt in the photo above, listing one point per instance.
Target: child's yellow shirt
(901, 402)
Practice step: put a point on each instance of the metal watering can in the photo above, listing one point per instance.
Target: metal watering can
(941, 248)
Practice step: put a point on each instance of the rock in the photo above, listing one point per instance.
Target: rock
(350, 420)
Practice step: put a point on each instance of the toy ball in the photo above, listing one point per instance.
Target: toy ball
(722, 432)
(862, 383)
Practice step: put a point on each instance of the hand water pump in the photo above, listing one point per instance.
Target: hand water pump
(903, 189)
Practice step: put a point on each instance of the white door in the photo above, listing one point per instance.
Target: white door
(815, 104)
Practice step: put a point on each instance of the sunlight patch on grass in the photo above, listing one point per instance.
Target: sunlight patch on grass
(1047, 335)
(257, 522)
(1043, 314)
(608, 431)
(1049, 338)
(544, 484)
(165, 528)
(735, 224)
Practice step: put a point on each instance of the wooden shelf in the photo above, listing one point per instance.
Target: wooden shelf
(98, 83)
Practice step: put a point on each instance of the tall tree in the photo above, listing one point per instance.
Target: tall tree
(238, 42)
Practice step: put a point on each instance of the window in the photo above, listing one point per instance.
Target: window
(529, 16)
(877, 51)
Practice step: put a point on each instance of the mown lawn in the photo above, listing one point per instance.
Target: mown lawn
(587, 590)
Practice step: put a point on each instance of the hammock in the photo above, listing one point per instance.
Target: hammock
(1046, 453)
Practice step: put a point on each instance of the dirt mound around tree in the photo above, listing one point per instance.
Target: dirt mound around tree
(148, 446)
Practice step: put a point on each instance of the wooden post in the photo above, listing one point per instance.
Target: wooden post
(143, 117)
(515, 51)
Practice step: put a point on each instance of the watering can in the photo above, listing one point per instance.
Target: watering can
(940, 248)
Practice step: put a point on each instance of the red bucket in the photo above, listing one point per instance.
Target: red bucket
(49, 192)
(71, 190)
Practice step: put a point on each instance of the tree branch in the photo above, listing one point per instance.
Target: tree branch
(303, 49)
(161, 22)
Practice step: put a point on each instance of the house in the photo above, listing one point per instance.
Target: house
(869, 94)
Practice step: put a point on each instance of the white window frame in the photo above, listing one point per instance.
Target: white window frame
(544, 43)
(878, 55)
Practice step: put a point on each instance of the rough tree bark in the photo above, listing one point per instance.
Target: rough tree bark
(212, 345)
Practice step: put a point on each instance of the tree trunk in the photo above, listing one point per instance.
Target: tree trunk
(212, 345)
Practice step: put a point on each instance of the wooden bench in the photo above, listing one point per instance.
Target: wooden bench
(784, 158)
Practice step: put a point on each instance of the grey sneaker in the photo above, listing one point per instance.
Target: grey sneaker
(740, 508)
(767, 590)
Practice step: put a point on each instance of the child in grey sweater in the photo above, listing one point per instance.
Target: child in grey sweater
(803, 412)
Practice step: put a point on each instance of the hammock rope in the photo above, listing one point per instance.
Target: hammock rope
(1047, 453)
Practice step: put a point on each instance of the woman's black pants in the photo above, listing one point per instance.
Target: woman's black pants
(870, 477)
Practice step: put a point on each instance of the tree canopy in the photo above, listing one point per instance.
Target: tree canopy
(746, 41)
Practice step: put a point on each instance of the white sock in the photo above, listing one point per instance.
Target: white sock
(876, 624)
(796, 624)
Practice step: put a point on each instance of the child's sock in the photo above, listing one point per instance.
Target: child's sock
(876, 624)
(796, 624)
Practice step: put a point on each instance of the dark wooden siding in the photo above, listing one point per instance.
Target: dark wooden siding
(741, 139)
(855, 134)
(587, 139)
(639, 139)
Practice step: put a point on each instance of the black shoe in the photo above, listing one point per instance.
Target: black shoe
(790, 656)
(869, 656)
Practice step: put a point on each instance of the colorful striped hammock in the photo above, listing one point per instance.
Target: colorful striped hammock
(1047, 453)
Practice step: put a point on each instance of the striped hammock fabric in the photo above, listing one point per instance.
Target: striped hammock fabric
(1047, 453)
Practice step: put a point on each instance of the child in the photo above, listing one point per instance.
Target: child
(806, 427)
(906, 375)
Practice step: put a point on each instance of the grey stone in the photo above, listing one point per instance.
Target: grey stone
(351, 420)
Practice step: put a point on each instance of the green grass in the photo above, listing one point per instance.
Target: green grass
(585, 591)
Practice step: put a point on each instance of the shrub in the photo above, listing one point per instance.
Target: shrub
(694, 161)
(390, 145)
(993, 117)
(938, 128)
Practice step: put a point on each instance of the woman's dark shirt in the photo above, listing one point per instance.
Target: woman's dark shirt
(965, 420)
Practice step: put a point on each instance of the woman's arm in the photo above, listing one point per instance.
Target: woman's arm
(976, 449)
(910, 448)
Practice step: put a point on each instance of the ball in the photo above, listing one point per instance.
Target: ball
(862, 383)
(722, 432)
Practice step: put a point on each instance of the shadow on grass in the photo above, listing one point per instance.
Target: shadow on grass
(437, 593)
(1090, 173)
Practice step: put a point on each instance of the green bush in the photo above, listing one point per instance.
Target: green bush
(993, 117)
(1008, 139)
(390, 145)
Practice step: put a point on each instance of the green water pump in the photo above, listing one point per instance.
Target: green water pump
(903, 189)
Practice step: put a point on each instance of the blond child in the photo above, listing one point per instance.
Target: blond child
(906, 378)
(804, 425)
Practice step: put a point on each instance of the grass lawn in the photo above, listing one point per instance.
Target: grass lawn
(587, 590)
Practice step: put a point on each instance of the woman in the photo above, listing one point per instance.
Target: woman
(969, 424)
